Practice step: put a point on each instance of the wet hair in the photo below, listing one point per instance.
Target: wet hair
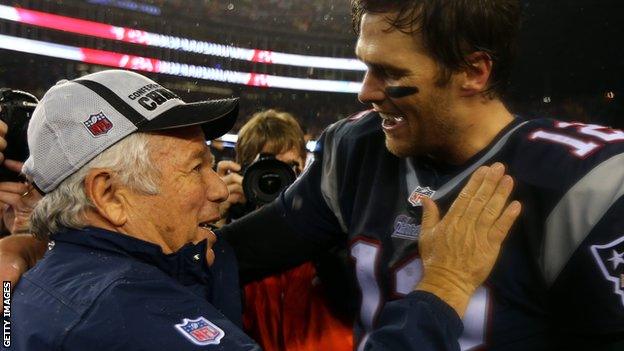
(453, 29)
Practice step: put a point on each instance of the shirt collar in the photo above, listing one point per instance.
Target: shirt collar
(188, 265)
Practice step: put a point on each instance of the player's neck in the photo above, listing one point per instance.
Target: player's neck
(478, 124)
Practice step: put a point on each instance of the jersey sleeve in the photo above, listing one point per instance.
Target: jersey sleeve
(420, 322)
(298, 225)
(581, 176)
(588, 294)
(142, 315)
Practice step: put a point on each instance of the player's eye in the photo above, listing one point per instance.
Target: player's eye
(197, 168)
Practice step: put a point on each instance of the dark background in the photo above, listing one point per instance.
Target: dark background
(571, 54)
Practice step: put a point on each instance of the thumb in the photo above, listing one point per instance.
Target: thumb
(431, 214)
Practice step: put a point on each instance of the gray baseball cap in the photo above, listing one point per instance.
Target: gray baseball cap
(77, 120)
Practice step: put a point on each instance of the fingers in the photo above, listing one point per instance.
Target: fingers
(14, 187)
(3, 129)
(484, 194)
(431, 215)
(470, 189)
(3, 143)
(503, 224)
(13, 165)
(237, 195)
(11, 193)
(497, 202)
(225, 167)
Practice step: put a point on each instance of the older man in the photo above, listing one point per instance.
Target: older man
(129, 190)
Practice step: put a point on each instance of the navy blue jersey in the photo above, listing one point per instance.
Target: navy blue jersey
(558, 282)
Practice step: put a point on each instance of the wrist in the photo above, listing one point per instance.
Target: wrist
(449, 287)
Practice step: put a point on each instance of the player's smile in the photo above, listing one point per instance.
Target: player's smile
(391, 122)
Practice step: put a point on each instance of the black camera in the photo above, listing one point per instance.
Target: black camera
(265, 179)
(16, 108)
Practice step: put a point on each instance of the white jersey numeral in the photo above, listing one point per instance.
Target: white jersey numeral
(603, 133)
(579, 147)
(366, 255)
(406, 276)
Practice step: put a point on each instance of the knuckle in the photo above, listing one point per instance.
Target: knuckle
(464, 195)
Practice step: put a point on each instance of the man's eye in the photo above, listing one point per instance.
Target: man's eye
(197, 168)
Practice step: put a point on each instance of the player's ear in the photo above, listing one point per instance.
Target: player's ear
(106, 195)
(476, 76)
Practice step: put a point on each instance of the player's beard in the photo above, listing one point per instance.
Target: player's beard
(430, 128)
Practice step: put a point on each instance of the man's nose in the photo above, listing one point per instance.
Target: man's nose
(372, 90)
(217, 190)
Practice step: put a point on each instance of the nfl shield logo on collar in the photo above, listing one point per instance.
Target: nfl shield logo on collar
(200, 331)
(417, 195)
(98, 124)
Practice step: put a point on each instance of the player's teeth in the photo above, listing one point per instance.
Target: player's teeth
(398, 118)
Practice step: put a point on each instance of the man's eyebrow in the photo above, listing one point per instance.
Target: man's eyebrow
(388, 67)
(199, 153)
(379, 66)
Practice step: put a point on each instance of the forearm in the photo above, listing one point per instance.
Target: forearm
(25, 246)
(18, 253)
(264, 243)
(420, 321)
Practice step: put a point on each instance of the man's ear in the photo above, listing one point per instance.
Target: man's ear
(477, 75)
(107, 196)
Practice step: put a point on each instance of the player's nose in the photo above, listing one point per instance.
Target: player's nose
(372, 90)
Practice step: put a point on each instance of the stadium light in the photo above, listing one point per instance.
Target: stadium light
(137, 36)
(139, 63)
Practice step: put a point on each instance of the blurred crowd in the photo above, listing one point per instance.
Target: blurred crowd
(319, 16)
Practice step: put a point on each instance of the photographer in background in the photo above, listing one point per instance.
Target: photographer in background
(294, 310)
(17, 198)
(269, 134)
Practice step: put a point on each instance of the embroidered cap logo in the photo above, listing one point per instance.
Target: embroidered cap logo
(98, 124)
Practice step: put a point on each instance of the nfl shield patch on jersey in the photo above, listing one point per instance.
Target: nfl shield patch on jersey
(98, 124)
(200, 331)
(417, 195)
(610, 259)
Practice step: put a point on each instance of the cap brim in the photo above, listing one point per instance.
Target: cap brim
(216, 117)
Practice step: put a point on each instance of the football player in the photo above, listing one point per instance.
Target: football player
(436, 74)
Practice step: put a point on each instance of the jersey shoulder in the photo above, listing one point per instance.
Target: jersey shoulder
(354, 140)
(557, 154)
(364, 125)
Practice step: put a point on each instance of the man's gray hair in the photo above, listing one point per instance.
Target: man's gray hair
(65, 206)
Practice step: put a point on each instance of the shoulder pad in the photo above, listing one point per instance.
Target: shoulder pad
(557, 153)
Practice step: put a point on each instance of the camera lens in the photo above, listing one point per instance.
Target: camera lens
(264, 179)
(270, 183)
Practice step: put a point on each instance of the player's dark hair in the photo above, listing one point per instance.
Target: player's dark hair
(452, 29)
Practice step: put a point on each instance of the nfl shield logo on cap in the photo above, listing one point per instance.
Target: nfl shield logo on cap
(200, 331)
(98, 124)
